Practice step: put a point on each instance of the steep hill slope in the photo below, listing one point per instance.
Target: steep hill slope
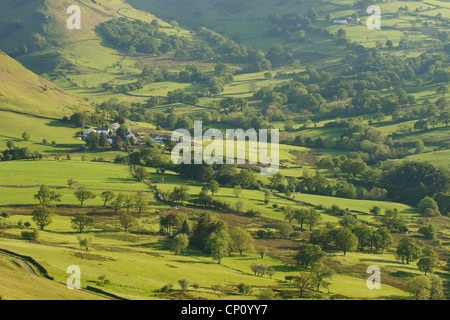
(39, 24)
(23, 91)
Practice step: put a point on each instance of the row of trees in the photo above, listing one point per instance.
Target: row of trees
(43, 213)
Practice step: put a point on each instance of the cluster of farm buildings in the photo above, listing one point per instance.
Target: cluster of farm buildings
(135, 137)
(348, 20)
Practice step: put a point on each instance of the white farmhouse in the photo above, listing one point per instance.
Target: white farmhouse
(87, 132)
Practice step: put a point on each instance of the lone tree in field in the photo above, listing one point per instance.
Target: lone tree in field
(237, 191)
(259, 269)
(140, 201)
(26, 136)
(408, 250)
(128, 202)
(117, 204)
(304, 282)
(141, 173)
(301, 215)
(419, 287)
(184, 284)
(241, 240)
(313, 218)
(42, 216)
(375, 210)
(107, 196)
(127, 221)
(83, 195)
(285, 229)
(219, 245)
(346, 240)
(85, 243)
(213, 186)
(81, 221)
(71, 182)
(180, 243)
(429, 260)
(46, 197)
(244, 289)
(322, 274)
(262, 251)
(308, 255)
(267, 196)
(179, 194)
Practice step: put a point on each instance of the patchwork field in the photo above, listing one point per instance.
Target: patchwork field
(363, 117)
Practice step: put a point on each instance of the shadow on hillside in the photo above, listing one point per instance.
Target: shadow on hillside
(60, 123)
(396, 263)
(195, 262)
(409, 211)
(62, 146)
(14, 139)
(120, 180)
(160, 245)
(285, 268)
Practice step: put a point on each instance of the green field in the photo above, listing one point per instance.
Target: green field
(17, 284)
(14, 125)
(119, 255)
(308, 71)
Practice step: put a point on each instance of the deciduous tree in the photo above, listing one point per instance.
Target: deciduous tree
(80, 221)
(107, 196)
(346, 240)
(42, 216)
(308, 254)
(83, 195)
(179, 243)
(428, 260)
(408, 250)
(127, 221)
(241, 240)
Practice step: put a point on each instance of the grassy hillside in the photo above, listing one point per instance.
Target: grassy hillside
(14, 124)
(23, 91)
(353, 107)
(137, 266)
(16, 283)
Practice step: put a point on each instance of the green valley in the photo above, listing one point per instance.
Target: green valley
(87, 171)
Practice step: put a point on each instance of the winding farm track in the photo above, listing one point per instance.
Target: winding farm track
(29, 269)
(23, 263)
